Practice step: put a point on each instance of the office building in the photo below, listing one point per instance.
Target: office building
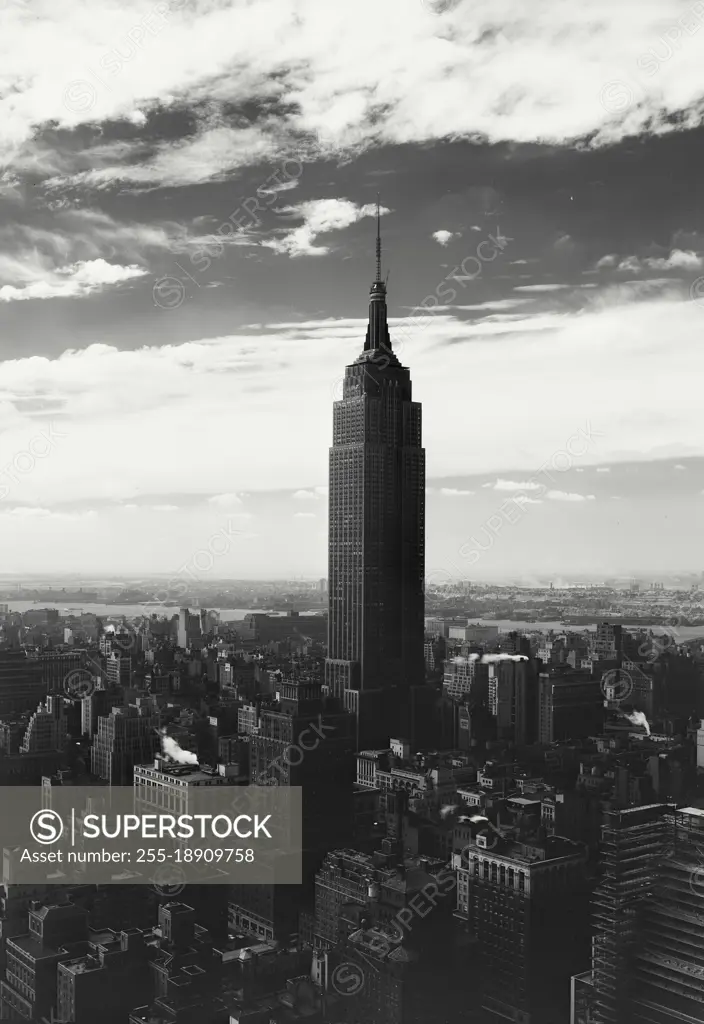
(119, 671)
(466, 677)
(700, 746)
(12, 730)
(95, 705)
(189, 628)
(514, 643)
(53, 931)
(513, 700)
(570, 706)
(116, 963)
(306, 740)
(632, 843)
(15, 901)
(303, 740)
(473, 633)
(166, 784)
(436, 627)
(262, 629)
(47, 728)
(22, 684)
(523, 896)
(668, 974)
(376, 548)
(125, 738)
(57, 665)
(353, 887)
(248, 719)
(606, 643)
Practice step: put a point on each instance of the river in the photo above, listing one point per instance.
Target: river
(232, 614)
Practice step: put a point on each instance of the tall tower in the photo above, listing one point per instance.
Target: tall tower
(376, 546)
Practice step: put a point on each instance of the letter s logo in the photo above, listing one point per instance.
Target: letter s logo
(46, 827)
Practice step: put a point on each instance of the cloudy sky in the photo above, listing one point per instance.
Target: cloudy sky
(186, 247)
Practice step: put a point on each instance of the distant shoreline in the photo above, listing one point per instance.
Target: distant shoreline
(680, 634)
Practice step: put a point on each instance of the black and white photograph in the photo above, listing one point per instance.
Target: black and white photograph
(352, 511)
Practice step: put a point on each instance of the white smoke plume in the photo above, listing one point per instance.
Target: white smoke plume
(447, 809)
(489, 659)
(171, 749)
(638, 718)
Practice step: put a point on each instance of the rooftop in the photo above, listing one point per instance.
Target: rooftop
(693, 811)
(82, 964)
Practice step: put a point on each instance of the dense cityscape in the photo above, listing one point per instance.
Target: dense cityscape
(351, 633)
(501, 820)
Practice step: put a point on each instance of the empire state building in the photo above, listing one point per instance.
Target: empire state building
(376, 547)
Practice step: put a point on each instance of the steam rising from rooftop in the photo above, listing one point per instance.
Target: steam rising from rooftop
(173, 750)
(489, 659)
(638, 718)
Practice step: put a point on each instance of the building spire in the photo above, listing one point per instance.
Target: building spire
(378, 330)
(378, 239)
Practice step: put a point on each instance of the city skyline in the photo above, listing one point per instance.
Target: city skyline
(407, 600)
(180, 281)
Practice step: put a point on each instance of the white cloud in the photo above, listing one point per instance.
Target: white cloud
(86, 234)
(320, 216)
(164, 508)
(304, 515)
(33, 512)
(225, 500)
(209, 156)
(679, 467)
(422, 74)
(26, 512)
(112, 400)
(678, 259)
(76, 280)
(492, 305)
(444, 237)
(542, 287)
(278, 186)
(514, 485)
(568, 496)
(603, 469)
(307, 494)
(523, 499)
(630, 265)
(454, 492)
